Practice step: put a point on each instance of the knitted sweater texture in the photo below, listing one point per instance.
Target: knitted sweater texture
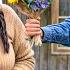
(20, 56)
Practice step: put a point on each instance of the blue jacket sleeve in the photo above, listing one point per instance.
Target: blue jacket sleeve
(58, 33)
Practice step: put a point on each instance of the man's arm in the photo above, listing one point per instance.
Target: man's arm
(57, 33)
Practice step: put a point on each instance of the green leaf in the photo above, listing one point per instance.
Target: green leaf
(50, 1)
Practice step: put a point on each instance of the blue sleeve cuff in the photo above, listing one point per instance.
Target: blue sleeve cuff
(47, 34)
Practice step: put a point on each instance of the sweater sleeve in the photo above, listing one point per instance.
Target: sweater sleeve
(23, 51)
(24, 55)
(57, 33)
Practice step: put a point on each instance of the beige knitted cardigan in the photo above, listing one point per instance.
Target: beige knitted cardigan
(20, 56)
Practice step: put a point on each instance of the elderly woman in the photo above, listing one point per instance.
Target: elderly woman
(15, 51)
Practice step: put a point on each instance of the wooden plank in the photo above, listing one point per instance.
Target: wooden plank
(64, 7)
(37, 57)
(63, 17)
(55, 11)
(44, 57)
(68, 7)
(62, 63)
(69, 62)
(51, 60)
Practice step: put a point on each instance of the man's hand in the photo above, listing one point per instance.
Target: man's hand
(33, 27)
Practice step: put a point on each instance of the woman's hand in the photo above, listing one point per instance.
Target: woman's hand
(33, 27)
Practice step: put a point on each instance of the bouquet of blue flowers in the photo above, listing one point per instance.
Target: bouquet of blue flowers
(32, 9)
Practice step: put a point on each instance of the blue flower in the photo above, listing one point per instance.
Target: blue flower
(35, 5)
(42, 4)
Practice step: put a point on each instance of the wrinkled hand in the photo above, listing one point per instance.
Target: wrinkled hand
(33, 27)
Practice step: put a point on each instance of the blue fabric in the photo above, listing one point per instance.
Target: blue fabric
(58, 33)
